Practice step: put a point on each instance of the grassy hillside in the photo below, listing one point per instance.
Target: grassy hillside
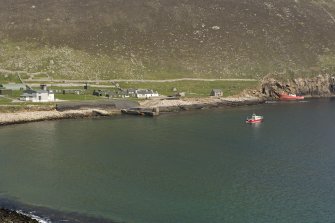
(157, 39)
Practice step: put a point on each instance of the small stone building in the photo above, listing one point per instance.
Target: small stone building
(99, 93)
(217, 93)
(131, 92)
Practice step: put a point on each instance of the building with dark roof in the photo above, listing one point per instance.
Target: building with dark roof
(217, 93)
(38, 96)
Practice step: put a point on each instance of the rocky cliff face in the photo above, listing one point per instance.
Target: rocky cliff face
(320, 86)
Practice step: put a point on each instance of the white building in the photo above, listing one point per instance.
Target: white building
(38, 96)
(146, 93)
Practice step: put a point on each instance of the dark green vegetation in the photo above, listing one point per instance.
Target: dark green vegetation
(158, 39)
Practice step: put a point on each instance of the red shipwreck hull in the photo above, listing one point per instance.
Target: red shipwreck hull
(286, 97)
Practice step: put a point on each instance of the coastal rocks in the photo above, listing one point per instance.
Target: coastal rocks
(99, 112)
(23, 117)
(161, 105)
(320, 86)
(8, 216)
(67, 110)
(200, 103)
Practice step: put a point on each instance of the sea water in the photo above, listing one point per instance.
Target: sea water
(200, 166)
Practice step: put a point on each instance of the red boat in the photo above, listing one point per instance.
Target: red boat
(285, 97)
(254, 119)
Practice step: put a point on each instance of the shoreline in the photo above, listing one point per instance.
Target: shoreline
(199, 103)
(12, 211)
(37, 116)
(7, 215)
(76, 111)
(165, 106)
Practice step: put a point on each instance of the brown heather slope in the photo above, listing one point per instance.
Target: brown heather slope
(168, 38)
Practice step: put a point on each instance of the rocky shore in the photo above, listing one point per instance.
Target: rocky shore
(319, 86)
(163, 105)
(313, 87)
(199, 103)
(8, 216)
(270, 88)
(33, 116)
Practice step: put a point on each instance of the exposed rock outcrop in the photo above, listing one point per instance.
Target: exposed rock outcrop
(320, 86)
(8, 216)
(199, 103)
(34, 116)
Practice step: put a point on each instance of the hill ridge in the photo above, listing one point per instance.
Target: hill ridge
(151, 39)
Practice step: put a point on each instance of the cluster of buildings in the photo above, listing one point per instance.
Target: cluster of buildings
(126, 93)
(144, 93)
(45, 95)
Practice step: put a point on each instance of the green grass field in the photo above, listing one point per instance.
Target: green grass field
(195, 88)
(191, 88)
(75, 97)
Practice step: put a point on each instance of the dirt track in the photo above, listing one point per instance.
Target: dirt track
(133, 80)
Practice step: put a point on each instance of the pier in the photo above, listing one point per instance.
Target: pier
(141, 111)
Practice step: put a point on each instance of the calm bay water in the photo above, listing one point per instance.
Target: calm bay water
(204, 166)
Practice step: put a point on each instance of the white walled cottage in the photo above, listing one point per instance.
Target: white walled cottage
(38, 96)
(146, 93)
